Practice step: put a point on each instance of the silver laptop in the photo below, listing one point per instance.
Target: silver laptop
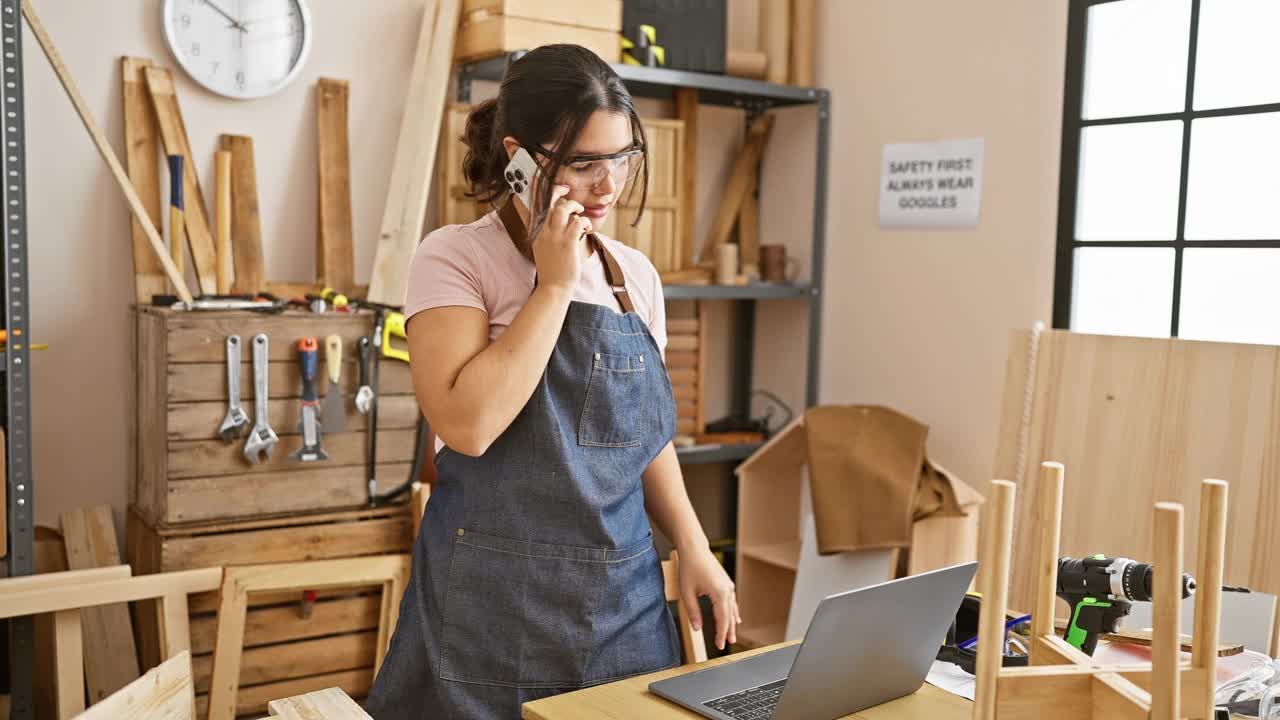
(863, 647)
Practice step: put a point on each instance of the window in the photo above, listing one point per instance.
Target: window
(1169, 209)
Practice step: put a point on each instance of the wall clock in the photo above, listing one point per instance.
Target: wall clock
(239, 48)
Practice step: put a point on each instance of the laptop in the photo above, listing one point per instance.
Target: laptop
(863, 647)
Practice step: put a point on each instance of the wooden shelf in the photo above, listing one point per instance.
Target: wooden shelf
(754, 291)
(784, 554)
(701, 454)
(754, 636)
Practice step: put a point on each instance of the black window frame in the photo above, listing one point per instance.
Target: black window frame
(1073, 125)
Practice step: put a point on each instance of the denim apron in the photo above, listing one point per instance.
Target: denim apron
(534, 572)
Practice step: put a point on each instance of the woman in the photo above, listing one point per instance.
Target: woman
(539, 365)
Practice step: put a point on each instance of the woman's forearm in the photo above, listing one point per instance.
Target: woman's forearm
(492, 388)
(668, 503)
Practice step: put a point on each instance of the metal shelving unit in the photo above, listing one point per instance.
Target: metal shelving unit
(754, 97)
(17, 383)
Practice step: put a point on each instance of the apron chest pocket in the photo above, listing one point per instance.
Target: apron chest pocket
(616, 400)
(523, 614)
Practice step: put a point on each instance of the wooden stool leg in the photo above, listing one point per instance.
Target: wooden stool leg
(69, 660)
(997, 546)
(1166, 644)
(1212, 553)
(1049, 522)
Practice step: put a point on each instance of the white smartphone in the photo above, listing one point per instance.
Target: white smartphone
(519, 174)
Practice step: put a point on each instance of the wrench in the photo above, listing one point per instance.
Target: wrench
(236, 422)
(364, 396)
(263, 439)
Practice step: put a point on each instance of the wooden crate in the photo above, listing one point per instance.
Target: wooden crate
(686, 344)
(186, 473)
(489, 35)
(285, 652)
(455, 207)
(599, 14)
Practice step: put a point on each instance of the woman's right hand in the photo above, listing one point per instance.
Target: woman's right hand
(556, 249)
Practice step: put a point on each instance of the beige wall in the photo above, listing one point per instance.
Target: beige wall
(919, 320)
(913, 320)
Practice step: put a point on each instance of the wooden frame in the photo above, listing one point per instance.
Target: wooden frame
(389, 571)
(65, 594)
(1064, 682)
(695, 646)
(165, 691)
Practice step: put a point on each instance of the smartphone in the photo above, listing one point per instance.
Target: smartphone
(520, 173)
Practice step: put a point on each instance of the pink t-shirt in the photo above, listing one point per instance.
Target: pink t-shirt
(478, 266)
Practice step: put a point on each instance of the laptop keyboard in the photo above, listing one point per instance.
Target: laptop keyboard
(756, 703)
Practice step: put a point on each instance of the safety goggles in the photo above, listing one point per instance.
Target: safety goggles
(586, 172)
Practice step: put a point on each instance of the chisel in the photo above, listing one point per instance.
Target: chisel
(335, 411)
(310, 423)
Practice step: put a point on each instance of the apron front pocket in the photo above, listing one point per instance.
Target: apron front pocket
(617, 397)
(523, 614)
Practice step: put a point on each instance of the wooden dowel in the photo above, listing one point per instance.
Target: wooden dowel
(1049, 523)
(1166, 640)
(104, 149)
(1212, 553)
(997, 547)
(222, 206)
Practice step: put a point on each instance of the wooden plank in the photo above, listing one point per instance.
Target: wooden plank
(1166, 698)
(682, 342)
(415, 153)
(222, 210)
(703, 308)
(1115, 697)
(150, 418)
(267, 626)
(995, 556)
(142, 153)
(687, 112)
(1142, 638)
(110, 656)
(225, 672)
(173, 133)
(775, 32)
(683, 377)
(330, 703)
(207, 603)
(600, 15)
(749, 226)
(246, 233)
(50, 557)
(803, 19)
(313, 542)
(273, 663)
(164, 693)
(100, 141)
(206, 458)
(251, 700)
(498, 34)
(365, 512)
(64, 578)
(194, 382)
(335, 254)
(682, 360)
(106, 592)
(200, 420)
(68, 655)
(735, 189)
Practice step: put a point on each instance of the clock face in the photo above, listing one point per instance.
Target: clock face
(239, 48)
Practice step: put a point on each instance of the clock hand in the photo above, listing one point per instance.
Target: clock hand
(234, 23)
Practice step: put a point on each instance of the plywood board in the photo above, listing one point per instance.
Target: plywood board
(335, 255)
(415, 155)
(110, 656)
(173, 133)
(1141, 420)
(164, 693)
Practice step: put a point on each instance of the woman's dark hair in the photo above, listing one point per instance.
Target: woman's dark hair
(544, 101)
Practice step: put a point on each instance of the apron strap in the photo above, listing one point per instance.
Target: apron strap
(511, 220)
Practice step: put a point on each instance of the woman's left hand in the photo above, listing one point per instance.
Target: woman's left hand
(700, 575)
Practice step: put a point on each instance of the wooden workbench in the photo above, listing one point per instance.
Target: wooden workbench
(631, 700)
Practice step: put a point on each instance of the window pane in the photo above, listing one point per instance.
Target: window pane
(1231, 295)
(1123, 291)
(1236, 53)
(1136, 58)
(1129, 181)
(1232, 184)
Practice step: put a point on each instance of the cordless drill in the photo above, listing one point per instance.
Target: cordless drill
(1100, 591)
